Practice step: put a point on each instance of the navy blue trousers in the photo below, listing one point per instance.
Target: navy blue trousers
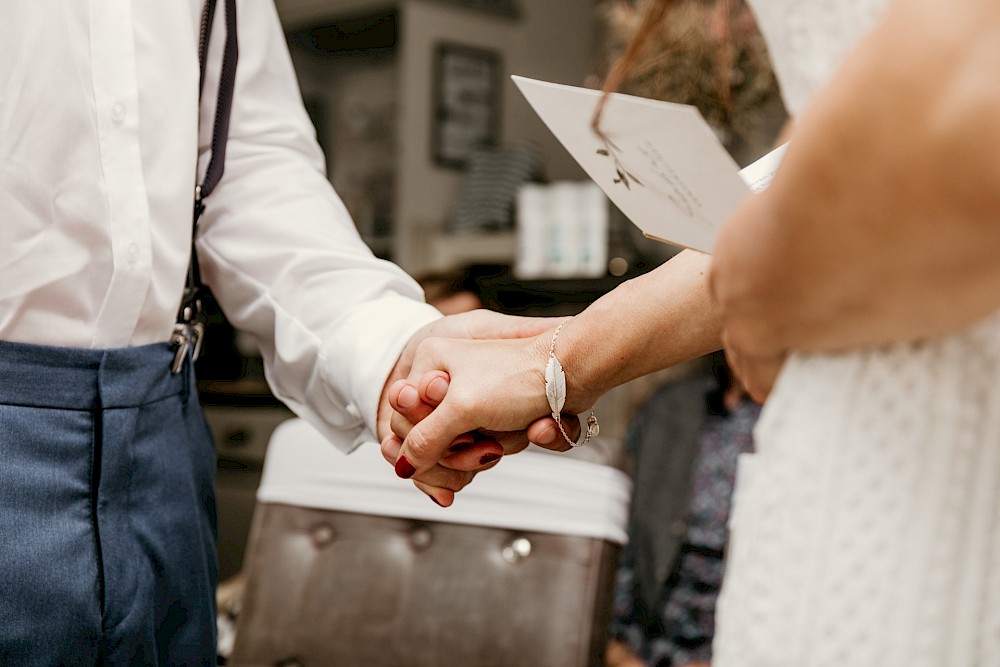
(107, 510)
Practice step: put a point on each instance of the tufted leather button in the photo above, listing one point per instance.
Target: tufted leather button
(322, 534)
(518, 549)
(421, 538)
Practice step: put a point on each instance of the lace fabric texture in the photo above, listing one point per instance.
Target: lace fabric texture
(866, 528)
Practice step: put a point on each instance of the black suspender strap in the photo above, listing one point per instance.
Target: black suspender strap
(189, 330)
(224, 104)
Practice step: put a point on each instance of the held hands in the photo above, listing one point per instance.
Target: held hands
(470, 451)
(467, 401)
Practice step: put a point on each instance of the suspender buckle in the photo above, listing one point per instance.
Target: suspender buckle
(187, 337)
(199, 205)
(182, 343)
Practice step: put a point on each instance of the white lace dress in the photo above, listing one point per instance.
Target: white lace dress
(866, 528)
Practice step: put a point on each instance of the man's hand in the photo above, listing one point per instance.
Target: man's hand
(413, 402)
(465, 452)
(496, 387)
(478, 324)
(469, 452)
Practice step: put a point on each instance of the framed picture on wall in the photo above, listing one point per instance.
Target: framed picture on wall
(466, 102)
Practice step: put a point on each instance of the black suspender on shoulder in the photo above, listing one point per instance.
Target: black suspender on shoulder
(189, 330)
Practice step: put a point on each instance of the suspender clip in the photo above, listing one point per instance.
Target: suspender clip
(188, 335)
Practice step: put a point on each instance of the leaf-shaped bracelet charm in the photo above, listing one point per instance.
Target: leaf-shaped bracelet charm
(555, 394)
(555, 386)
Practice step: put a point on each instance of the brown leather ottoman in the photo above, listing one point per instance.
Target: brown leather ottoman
(348, 565)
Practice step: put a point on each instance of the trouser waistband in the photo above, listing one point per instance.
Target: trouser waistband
(82, 379)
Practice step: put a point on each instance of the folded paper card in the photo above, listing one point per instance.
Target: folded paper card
(660, 163)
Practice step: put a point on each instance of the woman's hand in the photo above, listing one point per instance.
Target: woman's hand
(472, 450)
(493, 387)
(469, 452)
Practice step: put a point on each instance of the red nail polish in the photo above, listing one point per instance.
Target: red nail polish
(404, 468)
(489, 458)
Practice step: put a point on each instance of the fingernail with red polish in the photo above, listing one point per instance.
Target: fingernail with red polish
(488, 458)
(404, 468)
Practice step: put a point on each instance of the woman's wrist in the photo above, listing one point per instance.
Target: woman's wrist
(568, 346)
(556, 393)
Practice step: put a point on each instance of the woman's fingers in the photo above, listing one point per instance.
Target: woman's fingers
(432, 388)
(437, 476)
(468, 451)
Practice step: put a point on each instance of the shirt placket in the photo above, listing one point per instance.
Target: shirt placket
(116, 98)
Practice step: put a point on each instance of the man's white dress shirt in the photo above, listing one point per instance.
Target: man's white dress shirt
(98, 148)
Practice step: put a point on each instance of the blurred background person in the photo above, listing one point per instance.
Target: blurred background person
(683, 444)
(452, 292)
(684, 441)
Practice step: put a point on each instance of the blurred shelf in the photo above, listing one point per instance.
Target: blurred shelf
(500, 290)
(249, 393)
(458, 249)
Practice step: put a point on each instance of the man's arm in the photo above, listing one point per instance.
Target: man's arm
(282, 255)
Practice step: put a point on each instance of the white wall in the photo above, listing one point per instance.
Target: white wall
(359, 100)
(552, 40)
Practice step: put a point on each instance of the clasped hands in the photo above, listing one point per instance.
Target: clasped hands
(467, 390)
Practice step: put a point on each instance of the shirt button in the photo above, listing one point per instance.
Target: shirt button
(353, 411)
(132, 252)
(118, 112)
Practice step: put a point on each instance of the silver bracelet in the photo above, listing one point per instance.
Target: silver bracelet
(555, 393)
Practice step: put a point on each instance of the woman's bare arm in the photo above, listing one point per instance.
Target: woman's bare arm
(644, 325)
(883, 223)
